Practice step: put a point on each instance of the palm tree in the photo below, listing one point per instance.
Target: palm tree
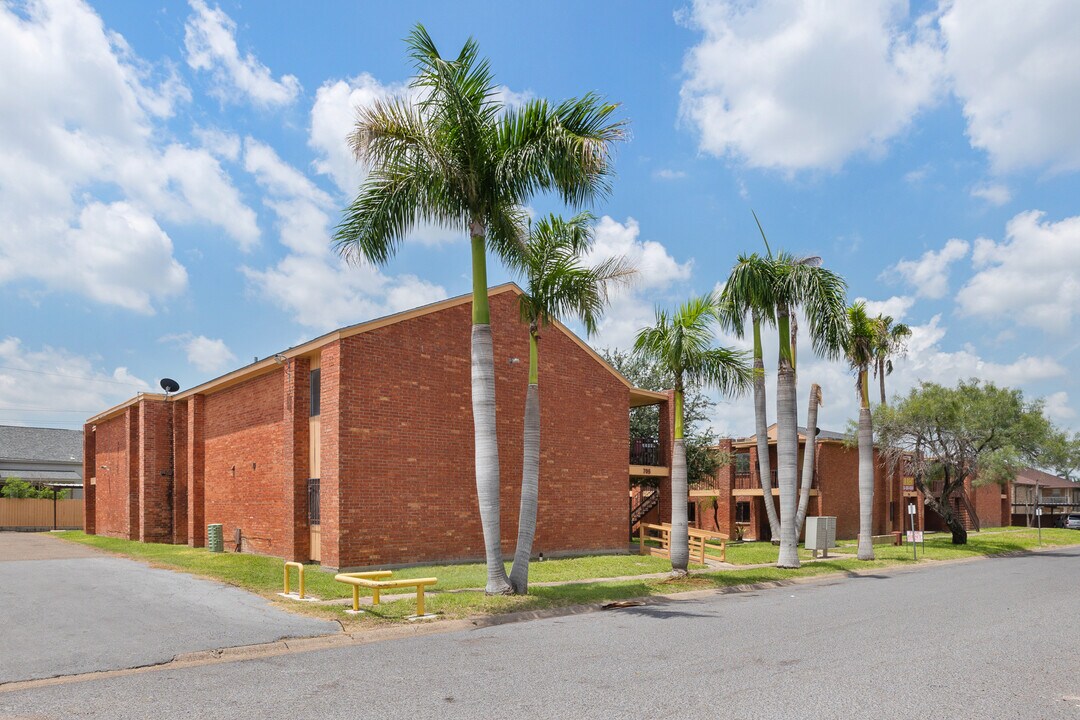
(820, 293)
(681, 343)
(557, 284)
(809, 452)
(461, 158)
(890, 340)
(859, 350)
(748, 290)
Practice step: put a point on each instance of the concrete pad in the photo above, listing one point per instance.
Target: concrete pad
(96, 612)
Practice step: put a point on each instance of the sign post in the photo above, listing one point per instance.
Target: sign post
(1038, 518)
(914, 545)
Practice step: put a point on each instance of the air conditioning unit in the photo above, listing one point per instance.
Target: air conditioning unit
(820, 534)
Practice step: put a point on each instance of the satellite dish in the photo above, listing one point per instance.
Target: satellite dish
(169, 385)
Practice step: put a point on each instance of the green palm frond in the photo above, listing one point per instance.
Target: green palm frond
(682, 343)
(890, 340)
(558, 282)
(453, 153)
(750, 287)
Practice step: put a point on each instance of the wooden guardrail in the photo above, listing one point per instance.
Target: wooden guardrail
(699, 542)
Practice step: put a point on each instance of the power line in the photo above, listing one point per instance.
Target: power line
(73, 377)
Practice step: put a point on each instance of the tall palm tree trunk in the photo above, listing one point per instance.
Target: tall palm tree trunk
(866, 471)
(881, 379)
(787, 446)
(809, 453)
(761, 431)
(530, 475)
(680, 525)
(484, 425)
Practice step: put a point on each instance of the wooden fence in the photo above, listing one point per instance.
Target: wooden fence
(700, 548)
(36, 514)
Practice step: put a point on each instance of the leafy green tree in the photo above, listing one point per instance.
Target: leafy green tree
(18, 488)
(860, 353)
(461, 158)
(557, 284)
(975, 431)
(702, 460)
(1062, 455)
(681, 342)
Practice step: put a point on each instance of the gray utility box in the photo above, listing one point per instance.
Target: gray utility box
(820, 534)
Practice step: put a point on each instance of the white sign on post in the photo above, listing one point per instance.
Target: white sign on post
(914, 536)
(1038, 511)
(911, 509)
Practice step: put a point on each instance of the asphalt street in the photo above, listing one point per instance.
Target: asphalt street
(985, 639)
(67, 609)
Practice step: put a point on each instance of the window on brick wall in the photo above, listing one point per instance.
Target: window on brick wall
(691, 512)
(742, 512)
(742, 463)
(316, 392)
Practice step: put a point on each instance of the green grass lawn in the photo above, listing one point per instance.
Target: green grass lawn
(263, 574)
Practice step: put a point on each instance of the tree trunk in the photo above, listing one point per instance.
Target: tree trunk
(942, 507)
(881, 379)
(787, 446)
(680, 526)
(530, 477)
(809, 453)
(762, 432)
(866, 485)
(484, 425)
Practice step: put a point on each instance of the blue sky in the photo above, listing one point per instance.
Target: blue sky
(173, 170)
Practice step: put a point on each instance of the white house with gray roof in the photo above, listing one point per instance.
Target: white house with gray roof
(42, 456)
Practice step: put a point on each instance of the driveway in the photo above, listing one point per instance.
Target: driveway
(69, 609)
(986, 639)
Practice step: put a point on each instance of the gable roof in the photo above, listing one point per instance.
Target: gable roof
(638, 396)
(823, 435)
(38, 444)
(1031, 476)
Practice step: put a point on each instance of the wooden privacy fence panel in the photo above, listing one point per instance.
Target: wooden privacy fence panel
(27, 513)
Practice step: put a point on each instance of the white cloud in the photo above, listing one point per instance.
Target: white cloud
(1032, 277)
(806, 85)
(1013, 66)
(895, 307)
(669, 174)
(210, 41)
(46, 384)
(916, 176)
(993, 193)
(632, 307)
(929, 275)
(206, 354)
(319, 289)
(332, 119)
(1058, 408)
(89, 113)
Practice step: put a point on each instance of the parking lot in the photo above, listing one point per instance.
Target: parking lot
(69, 609)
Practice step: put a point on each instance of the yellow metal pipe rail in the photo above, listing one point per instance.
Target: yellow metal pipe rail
(364, 579)
(300, 574)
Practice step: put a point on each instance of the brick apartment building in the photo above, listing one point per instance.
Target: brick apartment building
(356, 448)
(733, 501)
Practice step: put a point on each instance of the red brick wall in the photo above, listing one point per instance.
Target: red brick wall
(89, 471)
(242, 463)
(180, 474)
(155, 470)
(988, 505)
(112, 487)
(405, 462)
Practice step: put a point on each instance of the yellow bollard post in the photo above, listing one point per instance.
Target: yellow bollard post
(374, 596)
(356, 598)
(419, 601)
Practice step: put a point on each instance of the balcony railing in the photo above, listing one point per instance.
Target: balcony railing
(645, 451)
(749, 481)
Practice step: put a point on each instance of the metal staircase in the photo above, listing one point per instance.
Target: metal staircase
(648, 501)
